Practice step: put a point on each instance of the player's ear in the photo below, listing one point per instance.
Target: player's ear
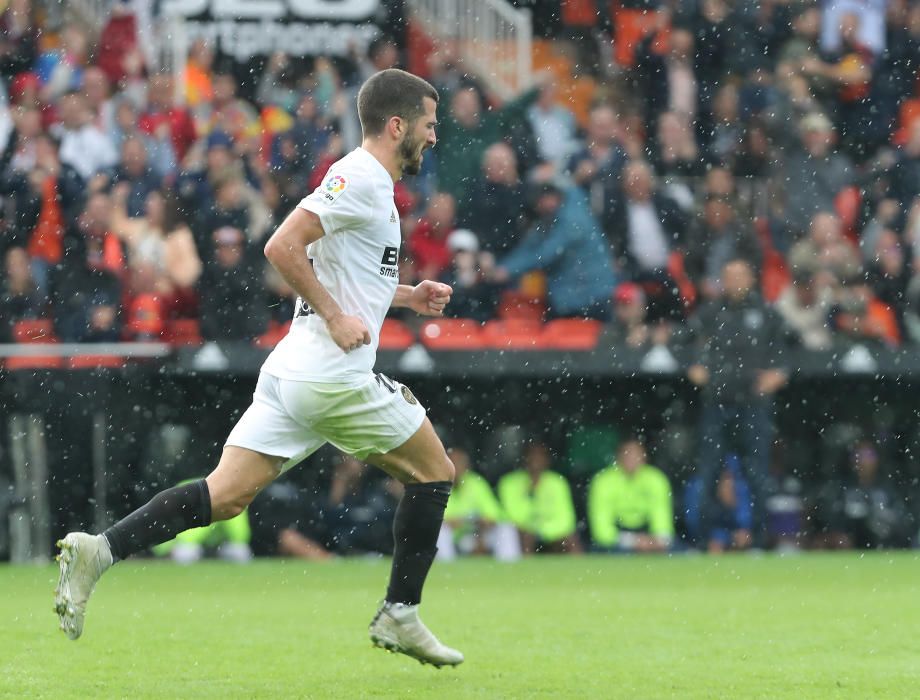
(396, 125)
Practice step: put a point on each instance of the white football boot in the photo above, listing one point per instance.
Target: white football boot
(397, 627)
(83, 559)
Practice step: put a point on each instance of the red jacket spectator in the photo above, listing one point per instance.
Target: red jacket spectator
(428, 240)
(162, 110)
(117, 40)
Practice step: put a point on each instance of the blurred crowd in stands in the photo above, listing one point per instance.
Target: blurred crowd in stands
(781, 134)
(745, 178)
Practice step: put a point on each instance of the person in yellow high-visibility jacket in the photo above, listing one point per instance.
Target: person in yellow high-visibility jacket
(539, 502)
(629, 504)
(229, 537)
(473, 520)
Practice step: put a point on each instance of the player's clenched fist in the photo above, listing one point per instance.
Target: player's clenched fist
(348, 332)
(429, 298)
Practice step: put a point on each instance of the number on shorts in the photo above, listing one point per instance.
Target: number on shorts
(386, 382)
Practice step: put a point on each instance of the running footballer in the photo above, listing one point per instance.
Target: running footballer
(339, 250)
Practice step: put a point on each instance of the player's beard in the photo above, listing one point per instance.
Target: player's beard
(410, 153)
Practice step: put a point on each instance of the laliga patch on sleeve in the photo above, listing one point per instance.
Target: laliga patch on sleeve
(332, 187)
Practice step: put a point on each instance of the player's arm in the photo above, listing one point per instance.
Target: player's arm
(286, 250)
(426, 298)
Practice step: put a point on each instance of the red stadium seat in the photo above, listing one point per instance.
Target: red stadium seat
(270, 338)
(95, 361)
(513, 335)
(572, 334)
(452, 334)
(515, 305)
(395, 335)
(183, 331)
(29, 332)
(38, 330)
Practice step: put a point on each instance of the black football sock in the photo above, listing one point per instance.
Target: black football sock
(415, 535)
(167, 514)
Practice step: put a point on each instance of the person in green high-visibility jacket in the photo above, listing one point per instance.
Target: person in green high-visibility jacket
(629, 504)
(473, 520)
(539, 502)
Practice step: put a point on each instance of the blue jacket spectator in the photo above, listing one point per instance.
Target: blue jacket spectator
(568, 245)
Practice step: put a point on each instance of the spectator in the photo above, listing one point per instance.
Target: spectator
(860, 318)
(21, 146)
(136, 174)
(629, 504)
(716, 236)
(428, 241)
(888, 273)
(359, 510)
(84, 147)
(278, 85)
(848, 78)
(119, 53)
(474, 295)
(98, 99)
(60, 71)
(163, 115)
(468, 130)
(861, 509)
(160, 153)
(198, 83)
(676, 155)
(86, 288)
(226, 112)
(826, 249)
(567, 244)
(630, 324)
(156, 239)
(810, 178)
(62, 196)
(285, 522)
(19, 297)
(539, 503)
(599, 165)
(18, 38)
(644, 226)
(727, 128)
(553, 127)
(206, 164)
(473, 521)
(729, 520)
(737, 382)
(496, 209)
(805, 307)
(234, 204)
(668, 81)
(231, 308)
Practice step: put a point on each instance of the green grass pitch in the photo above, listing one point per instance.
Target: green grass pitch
(816, 626)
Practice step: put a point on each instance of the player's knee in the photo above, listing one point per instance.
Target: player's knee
(227, 508)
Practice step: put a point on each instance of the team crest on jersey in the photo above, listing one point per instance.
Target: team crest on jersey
(333, 186)
(408, 395)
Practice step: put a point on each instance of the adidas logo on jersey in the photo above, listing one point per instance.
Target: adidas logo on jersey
(393, 218)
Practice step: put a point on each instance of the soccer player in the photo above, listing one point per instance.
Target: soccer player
(318, 385)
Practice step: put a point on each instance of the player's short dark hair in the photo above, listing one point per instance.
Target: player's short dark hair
(392, 93)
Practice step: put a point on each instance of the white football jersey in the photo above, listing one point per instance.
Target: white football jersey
(357, 260)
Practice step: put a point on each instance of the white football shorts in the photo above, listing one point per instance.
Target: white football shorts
(293, 419)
